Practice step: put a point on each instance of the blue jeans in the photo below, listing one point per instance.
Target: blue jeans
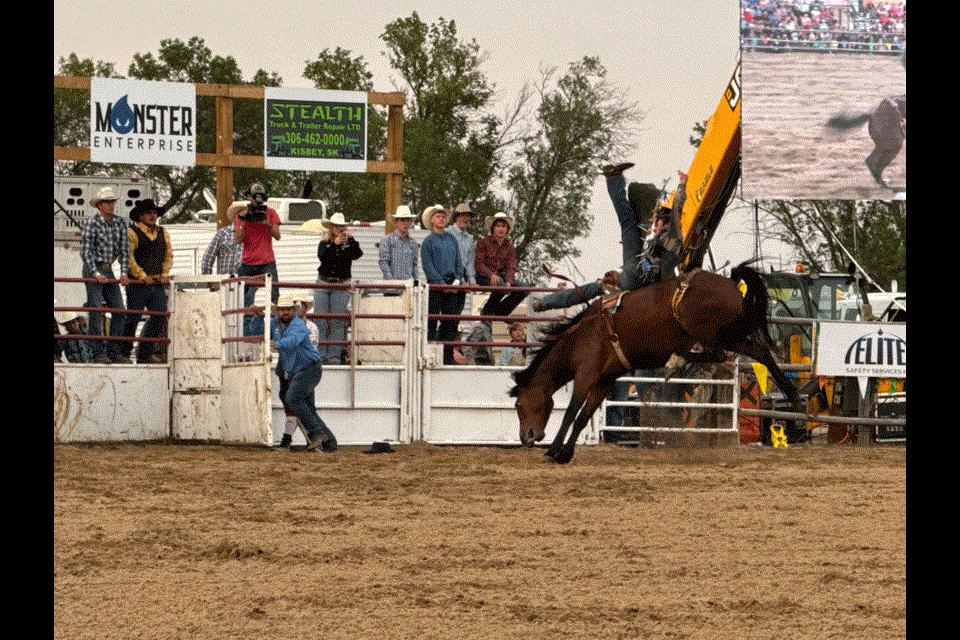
(447, 303)
(250, 327)
(97, 294)
(331, 301)
(631, 240)
(502, 303)
(300, 400)
(151, 297)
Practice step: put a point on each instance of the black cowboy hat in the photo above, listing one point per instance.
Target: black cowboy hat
(142, 207)
(380, 447)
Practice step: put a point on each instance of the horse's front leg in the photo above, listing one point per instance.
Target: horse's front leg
(568, 417)
(590, 405)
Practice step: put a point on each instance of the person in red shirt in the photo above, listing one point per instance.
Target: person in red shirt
(496, 262)
(256, 227)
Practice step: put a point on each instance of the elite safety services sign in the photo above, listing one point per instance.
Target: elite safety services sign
(142, 122)
(862, 350)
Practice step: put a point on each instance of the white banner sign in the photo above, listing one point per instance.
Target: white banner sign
(862, 350)
(140, 122)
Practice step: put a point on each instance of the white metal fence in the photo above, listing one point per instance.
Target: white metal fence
(219, 385)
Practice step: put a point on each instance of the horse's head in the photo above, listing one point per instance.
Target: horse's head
(534, 405)
(537, 383)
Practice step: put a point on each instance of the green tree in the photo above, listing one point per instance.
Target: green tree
(181, 188)
(826, 234)
(451, 142)
(583, 121)
(71, 112)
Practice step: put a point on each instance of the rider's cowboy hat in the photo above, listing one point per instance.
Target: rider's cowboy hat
(380, 447)
(336, 219)
(488, 223)
(428, 213)
(105, 194)
(402, 213)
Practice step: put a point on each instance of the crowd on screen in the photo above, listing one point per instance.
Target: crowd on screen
(856, 26)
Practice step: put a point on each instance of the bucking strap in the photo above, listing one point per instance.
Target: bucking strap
(681, 291)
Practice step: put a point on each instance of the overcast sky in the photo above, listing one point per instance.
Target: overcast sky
(675, 57)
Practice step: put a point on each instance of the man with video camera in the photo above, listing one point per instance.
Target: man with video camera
(256, 227)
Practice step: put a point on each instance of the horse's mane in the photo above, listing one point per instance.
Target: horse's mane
(550, 335)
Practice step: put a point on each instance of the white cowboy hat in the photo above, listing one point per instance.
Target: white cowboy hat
(63, 317)
(304, 300)
(314, 226)
(286, 300)
(336, 219)
(403, 213)
(105, 194)
(463, 207)
(428, 213)
(488, 223)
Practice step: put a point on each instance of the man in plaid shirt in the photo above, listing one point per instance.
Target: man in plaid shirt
(398, 251)
(223, 249)
(103, 242)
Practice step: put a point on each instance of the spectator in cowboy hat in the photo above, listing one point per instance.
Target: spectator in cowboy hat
(306, 304)
(104, 241)
(336, 254)
(460, 229)
(399, 253)
(74, 349)
(299, 369)
(151, 258)
(496, 265)
(440, 257)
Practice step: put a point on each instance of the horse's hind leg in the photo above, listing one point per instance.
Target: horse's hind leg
(880, 159)
(886, 131)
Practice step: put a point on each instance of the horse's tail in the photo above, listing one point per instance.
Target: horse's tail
(844, 122)
(755, 301)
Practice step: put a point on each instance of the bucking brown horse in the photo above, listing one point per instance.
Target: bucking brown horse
(669, 317)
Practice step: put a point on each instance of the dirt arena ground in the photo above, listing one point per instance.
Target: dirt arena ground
(787, 99)
(204, 541)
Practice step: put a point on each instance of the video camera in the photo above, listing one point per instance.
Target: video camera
(257, 205)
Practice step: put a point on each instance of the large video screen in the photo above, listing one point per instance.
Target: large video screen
(824, 99)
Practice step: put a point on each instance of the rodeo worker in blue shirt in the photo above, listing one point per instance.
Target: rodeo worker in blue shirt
(298, 368)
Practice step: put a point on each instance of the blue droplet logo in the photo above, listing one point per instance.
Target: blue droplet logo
(121, 116)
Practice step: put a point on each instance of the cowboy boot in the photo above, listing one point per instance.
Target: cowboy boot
(611, 170)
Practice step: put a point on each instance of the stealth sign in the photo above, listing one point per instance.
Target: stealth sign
(140, 122)
(315, 130)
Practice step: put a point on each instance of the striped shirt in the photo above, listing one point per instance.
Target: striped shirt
(104, 242)
(467, 244)
(224, 249)
(399, 257)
